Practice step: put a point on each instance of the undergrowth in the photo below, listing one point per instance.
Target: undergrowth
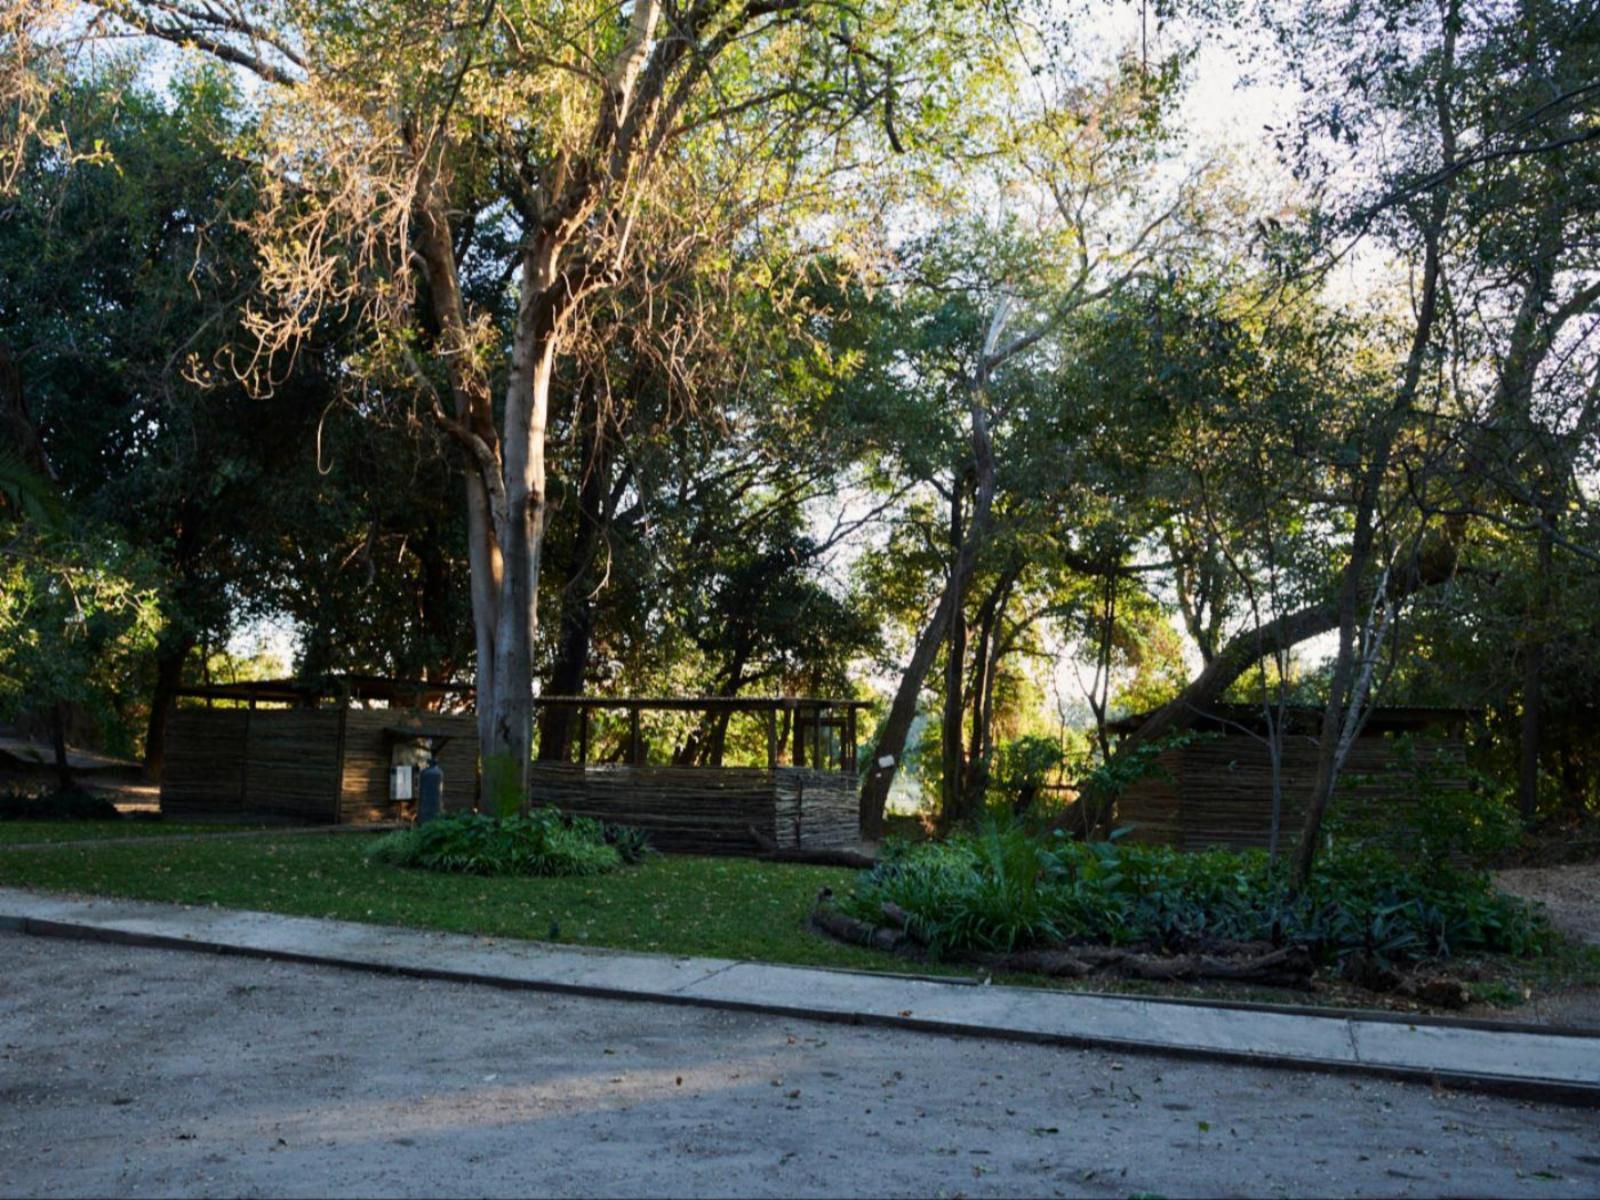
(56, 804)
(543, 842)
(1005, 888)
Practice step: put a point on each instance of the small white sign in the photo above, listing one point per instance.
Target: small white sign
(886, 761)
(400, 783)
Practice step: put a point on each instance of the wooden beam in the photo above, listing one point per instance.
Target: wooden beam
(695, 703)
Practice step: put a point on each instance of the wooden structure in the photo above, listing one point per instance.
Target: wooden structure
(809, 801)
(1218, 791)
(308, 752)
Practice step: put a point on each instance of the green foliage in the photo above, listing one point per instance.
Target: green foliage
(1004, 889)
(543, 842)
(1022, 765)
(631, 843)
(1108, 780)
(1457, 812)
(57, 804)
(77, 611)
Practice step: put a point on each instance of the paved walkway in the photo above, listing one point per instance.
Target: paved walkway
(1542, 1064)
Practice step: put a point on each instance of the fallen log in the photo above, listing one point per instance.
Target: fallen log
(828, 920)
(1285, 966)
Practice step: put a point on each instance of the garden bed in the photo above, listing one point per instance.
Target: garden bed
(715, 907)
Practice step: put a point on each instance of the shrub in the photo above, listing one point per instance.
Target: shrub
(1021, 767)
(1456, 812)
(1005, 889)
(57, 804)
(631, 842)
(543, 842)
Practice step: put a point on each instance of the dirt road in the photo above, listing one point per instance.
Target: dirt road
(143, 1072)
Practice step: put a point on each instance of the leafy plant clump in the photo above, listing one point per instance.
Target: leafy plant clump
(57, 804)
(544, 842)
(1004, 889)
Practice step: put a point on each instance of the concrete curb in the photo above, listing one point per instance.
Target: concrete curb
(1547, 1065)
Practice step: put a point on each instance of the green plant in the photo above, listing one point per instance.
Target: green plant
(56, 804)
(543, 842)
(1004, 888)
(1021, 767)
(630, 842)
(1455, 812)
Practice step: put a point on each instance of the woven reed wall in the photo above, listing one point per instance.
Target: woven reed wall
(314, 765)
(1220, 792)
(204, 766)
(707, 810)
(364, 783)
(292, 763)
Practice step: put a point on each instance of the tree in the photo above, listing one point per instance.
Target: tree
(389, 129)
(1086, 156)
(76, 606)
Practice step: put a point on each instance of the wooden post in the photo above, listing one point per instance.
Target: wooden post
(817, 760)
(772, 739)
(799, 738)
(635, 746)
(848, 758)
(244, 765)
(338, 767)
(583, 734)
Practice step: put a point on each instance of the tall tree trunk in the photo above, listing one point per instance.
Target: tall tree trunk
(170, 659)
(985, 663)
(891, 741)
(1533, 681)
(471, 424)
(570, 668)
(509, 754)
(951, 808)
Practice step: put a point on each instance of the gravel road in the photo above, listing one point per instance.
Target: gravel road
(128, 1072)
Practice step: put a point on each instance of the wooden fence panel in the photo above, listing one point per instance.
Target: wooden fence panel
(364, 781)
(291, 764)
(204, 767)
(706, 810)
(1219, 793)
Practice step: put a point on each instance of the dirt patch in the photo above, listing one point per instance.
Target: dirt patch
(1571, 895)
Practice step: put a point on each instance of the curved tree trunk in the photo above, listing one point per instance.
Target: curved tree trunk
(952, 777)
(570, 668)
(891, 741)
(1533, 682)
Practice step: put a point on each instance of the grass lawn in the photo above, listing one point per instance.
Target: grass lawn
(13, 833)
(718, 907)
